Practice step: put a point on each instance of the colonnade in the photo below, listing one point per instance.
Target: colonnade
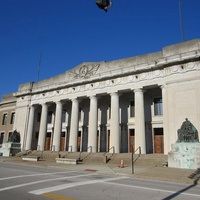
(115, 131)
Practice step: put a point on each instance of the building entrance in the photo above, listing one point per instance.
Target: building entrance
(62, 142)
(131, 140)
(79, 141)
(48, 141)
(158, 140)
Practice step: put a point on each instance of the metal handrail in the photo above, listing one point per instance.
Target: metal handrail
(109, 150)
(90, 147)
(133, 161)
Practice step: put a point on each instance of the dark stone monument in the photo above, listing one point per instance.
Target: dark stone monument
(185, 152)
(187, 132)
(14, 137)
(12, 146)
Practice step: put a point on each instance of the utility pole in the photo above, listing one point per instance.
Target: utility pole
(181, 20)
(38, 74)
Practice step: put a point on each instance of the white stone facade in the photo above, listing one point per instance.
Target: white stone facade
(113, 106)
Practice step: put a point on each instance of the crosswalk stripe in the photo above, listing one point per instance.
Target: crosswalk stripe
(42, 181)
(70, 185)
(29, 175)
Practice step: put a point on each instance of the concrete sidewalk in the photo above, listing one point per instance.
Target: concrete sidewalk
(188, 176)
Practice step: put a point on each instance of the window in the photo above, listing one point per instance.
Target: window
(1, 138)
(158, 110)
(63, 115)
(49, 119)
(109, 111)
(79, 115)
(79, 134)
(5, 116)
(132, 109)
(12, 119)
(158, 131)
(9, 134)
(48, 134)
(62, 134)
(132, 132)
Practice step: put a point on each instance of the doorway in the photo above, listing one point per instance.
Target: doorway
(131, 140)
(79, 141)
(62, 145)
(158, 140)
(48, 141)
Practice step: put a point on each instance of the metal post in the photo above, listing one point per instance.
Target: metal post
(181, 20)
(132, 164)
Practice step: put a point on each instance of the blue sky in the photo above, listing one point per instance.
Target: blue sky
(69, 32)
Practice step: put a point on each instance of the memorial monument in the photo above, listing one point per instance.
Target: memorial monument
(12, 146)
(185, 152)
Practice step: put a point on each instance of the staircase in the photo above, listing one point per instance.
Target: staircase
(144, 159)
(85, 157)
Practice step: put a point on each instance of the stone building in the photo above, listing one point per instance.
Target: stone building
(7, 116)
(113, 106)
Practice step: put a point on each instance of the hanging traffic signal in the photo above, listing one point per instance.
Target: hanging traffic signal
(104, 4)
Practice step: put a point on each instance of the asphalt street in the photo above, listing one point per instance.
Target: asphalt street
(19, 182)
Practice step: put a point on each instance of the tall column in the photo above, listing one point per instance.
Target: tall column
(93, 122)
(114, 123)
(165, 118)
(43, 128)
(30, 128)
(140, 139)
(74, 126)
(57, 127)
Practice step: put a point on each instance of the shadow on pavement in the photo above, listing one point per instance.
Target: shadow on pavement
(195, 176)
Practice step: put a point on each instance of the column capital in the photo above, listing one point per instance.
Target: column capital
(75, 99)
(139, 90)
(115, 94)
(45, 104)
(163, 86)
(58, 102)
(32, 106)
(94, 97)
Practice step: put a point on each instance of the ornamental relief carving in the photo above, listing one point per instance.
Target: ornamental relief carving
(193, 65)
(84, 71)
(175, 68)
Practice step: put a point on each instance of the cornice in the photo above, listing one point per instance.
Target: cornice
(87, 74)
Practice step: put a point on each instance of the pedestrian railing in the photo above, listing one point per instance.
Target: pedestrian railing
(89, 151)
(109, 150)
(134, 160)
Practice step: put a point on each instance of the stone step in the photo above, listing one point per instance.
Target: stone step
(147, 159)
(85, 157)
(93, 158)
(44, 154)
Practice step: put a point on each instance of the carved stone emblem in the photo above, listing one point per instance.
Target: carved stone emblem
(85, 71)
